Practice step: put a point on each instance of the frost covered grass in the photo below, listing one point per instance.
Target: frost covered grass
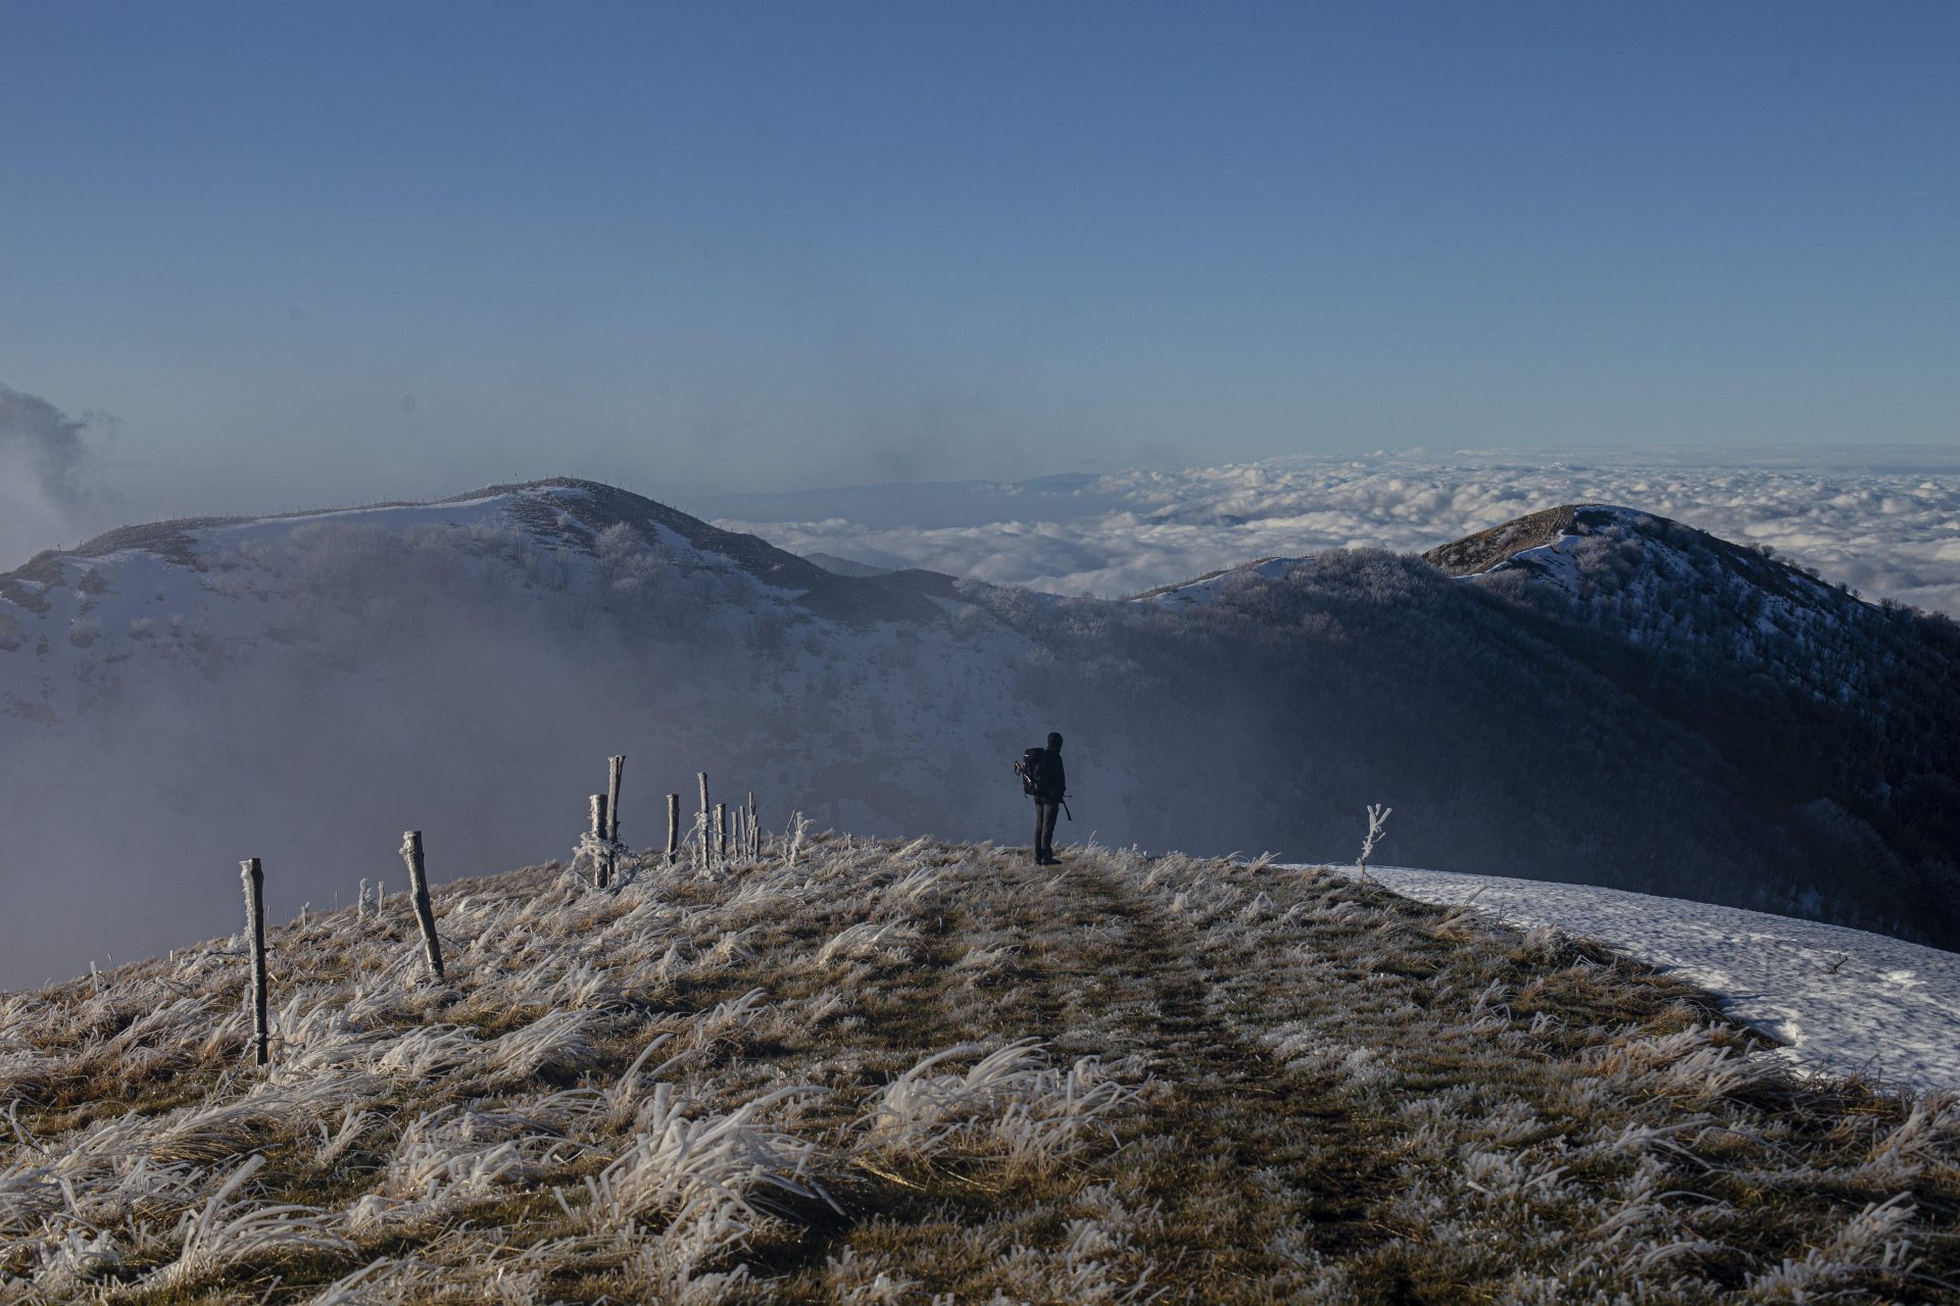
(858, 1071)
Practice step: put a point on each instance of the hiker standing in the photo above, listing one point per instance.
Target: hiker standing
(1044, 780)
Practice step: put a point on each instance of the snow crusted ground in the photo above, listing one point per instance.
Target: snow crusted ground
(1843, 1000)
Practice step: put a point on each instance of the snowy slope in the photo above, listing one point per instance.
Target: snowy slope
(1842, 1000)
(176, 696)
(1207, 589)
(1661, 583)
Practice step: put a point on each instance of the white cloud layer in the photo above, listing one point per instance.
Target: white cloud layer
(1888, 533)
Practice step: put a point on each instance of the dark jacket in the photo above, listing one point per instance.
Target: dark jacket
(1051, 779)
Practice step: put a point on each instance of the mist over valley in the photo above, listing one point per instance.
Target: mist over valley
(1625, 702)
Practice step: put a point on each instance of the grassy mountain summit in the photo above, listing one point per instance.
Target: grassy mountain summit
(870, 1071)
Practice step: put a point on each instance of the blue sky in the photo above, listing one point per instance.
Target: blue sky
(310, 253)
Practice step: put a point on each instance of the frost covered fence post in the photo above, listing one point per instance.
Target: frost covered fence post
(754, 829)
(707, 845)
(673, 827)
(602, 862)
(425, 916)
(1377, 818)
(721, 830)
(254, 877)
(615, 768)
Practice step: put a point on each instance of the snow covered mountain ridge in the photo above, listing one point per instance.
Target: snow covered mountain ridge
(303, 688)
(172, 579)
(1636, 566)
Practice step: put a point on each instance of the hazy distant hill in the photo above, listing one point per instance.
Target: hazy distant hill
(303, 688)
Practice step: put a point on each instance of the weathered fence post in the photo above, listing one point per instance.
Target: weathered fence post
(425, 916)
(602, 868)
(360, 909)
(755, 830)
(707, 834)
(673, 828)
(721, 830)
(615, 767)
(254, 877)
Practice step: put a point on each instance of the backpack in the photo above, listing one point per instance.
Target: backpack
(1033, 770)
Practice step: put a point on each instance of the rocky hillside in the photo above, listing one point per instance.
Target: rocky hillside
(861, 1071)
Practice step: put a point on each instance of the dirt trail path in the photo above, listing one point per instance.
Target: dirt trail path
(1249, 1171)
(1275, 1158)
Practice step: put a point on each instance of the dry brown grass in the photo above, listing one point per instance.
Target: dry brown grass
(1166, 1079)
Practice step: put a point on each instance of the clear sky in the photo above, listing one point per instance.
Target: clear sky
(311, 253)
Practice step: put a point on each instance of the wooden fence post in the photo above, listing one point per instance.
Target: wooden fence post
(673, 828)
(721, 829)
(254, 877)
(707, 834)
(602, 872)
(425, 916)
(755, 830)
(615, 767)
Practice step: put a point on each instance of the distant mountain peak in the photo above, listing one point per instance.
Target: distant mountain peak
(562, 513)
(1478, 553)
(1565, 547)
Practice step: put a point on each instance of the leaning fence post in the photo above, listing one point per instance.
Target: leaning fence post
(707, 841)
(418, 883)
(254, 877)
(673, 828)
(615, 766)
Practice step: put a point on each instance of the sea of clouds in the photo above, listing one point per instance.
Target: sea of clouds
(1886, 523)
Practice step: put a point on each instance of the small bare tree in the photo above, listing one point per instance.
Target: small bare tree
(1377, 818)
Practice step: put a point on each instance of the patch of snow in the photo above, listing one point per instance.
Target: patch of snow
(1843, 1000)
(1205, 590)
